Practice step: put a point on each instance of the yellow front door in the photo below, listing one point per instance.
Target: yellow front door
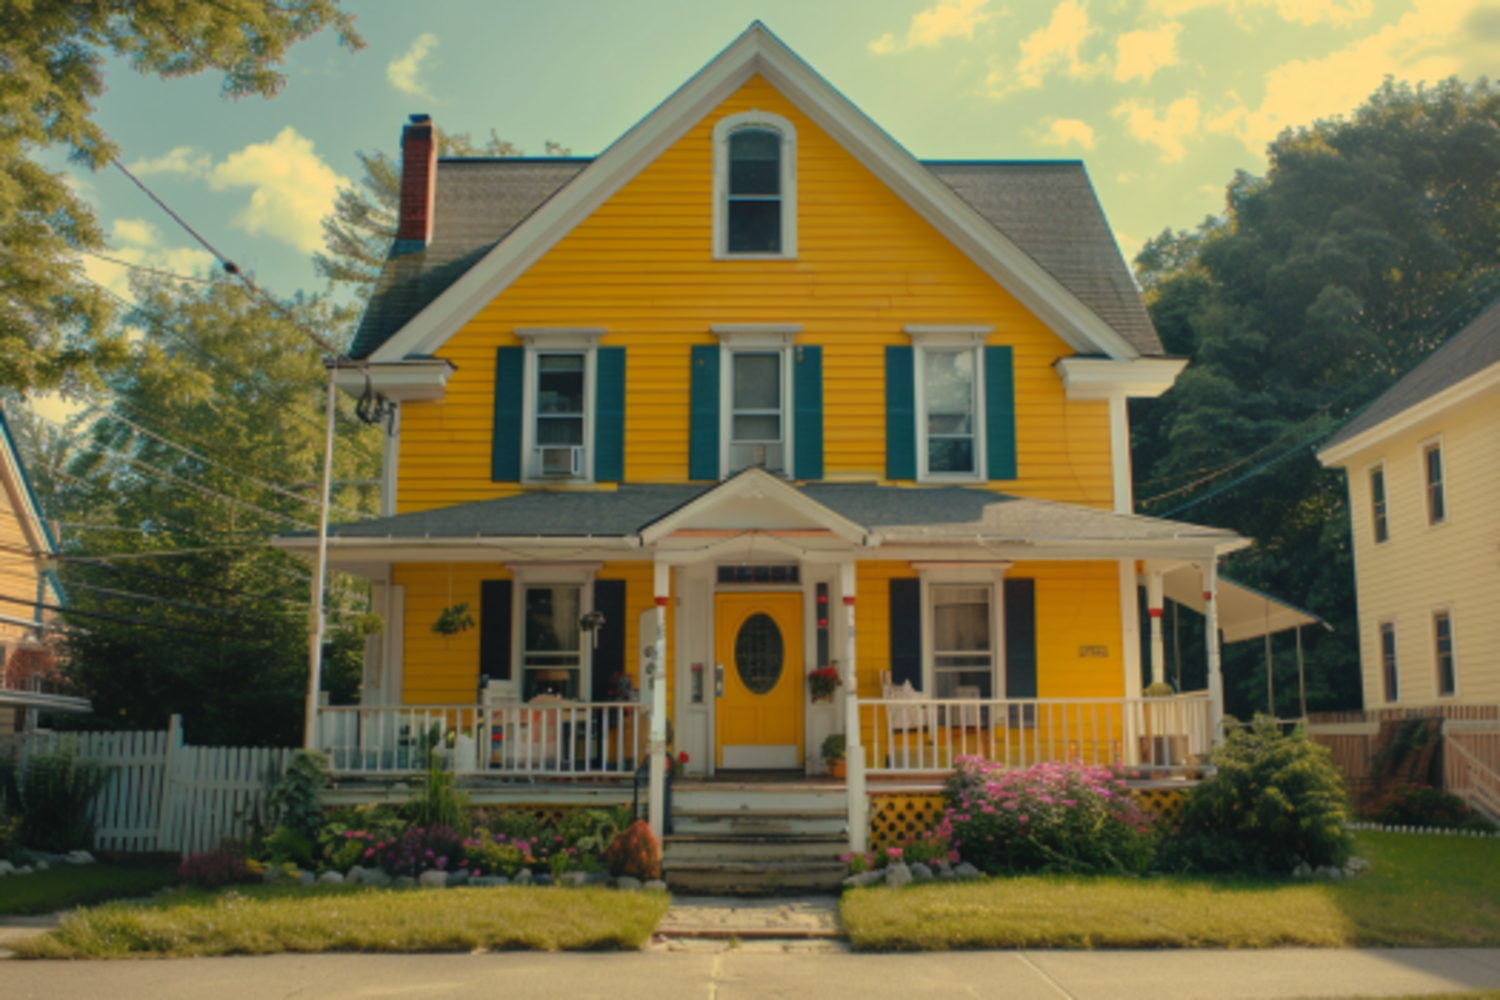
(759, 644)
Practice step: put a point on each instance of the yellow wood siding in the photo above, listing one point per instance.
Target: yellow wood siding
(1423, 568)
(642, 266)
(19, 571)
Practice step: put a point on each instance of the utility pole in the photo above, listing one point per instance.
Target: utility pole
(320, 573)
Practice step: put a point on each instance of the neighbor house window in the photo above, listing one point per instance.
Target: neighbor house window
(1377, 504)
(963, 641)
(1437, 502)
(950, 412)
(1388, 661)
(757, 425)
(552, 650)
(755, 203)
(1442, 633)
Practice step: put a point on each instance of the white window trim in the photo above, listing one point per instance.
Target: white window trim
(558, 340)
(755, 338)
(527, 575)
(1370, 470)
(1437, 687)
(991, 575)
(1436, 441)
(1380, 627)
(950, 339)
(788, 132)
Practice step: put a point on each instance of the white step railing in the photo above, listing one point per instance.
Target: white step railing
(1471, 779)
(926, 735)
(574, 739)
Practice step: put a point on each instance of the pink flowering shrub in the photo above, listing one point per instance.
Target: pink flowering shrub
(209, 869)
(1047, 818)
(418, 850)
(930, 847)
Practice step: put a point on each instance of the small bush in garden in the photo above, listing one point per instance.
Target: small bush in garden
(635, 852)
(591, 831)
(297, 801)
(489, 855)
(287, 845)
(10, 836)
(418, 850)
(1275, 802)
(222, 866)
(1416, 805)
(56, 791)
(348, 854)
(517, 824)
(1047, 818)
(440, 803)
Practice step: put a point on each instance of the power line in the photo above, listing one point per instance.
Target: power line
(70, 612)
(148, 270)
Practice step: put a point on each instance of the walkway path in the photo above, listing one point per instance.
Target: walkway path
(726, 917)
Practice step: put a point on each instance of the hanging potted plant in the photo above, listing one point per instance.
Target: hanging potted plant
(453, 620)
(833, 754)
(822, 682)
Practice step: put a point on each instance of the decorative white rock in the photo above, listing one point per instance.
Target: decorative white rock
(42, 866)
(656, 884)
(897, 875)
(574, 879)
(433, 880)
(626, 882)
(331, 878)
(920, 872)
(967, 870)
(306, 878)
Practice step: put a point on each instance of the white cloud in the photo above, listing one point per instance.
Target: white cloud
(1167, 130)
(403, 72)
(187, 161)
(943, 20)
(1062, 131)
(1295, 11)
(1420, 46)
(1057, 45)
(138, 242)
(291, 189)
(1141, 53)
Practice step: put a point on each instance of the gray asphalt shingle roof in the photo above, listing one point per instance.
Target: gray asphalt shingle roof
(952, 512)
(1468, 352)
(1048, 210)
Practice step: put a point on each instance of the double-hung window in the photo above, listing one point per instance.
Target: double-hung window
(1437, 498)
(552, 651)
(560, 413)
(1442, 633)
(963, 640)
(1388, 666)
(757, 424)
(560, 389)
(755, 191)
(950, 416)
(1377, 504)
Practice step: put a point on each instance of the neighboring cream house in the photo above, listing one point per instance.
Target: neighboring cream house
(1423, 463)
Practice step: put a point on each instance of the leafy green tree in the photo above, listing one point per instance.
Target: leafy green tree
(1370, 240)
(209, 442)
(55, 327)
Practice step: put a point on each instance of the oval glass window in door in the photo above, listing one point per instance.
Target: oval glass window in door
(758, 653)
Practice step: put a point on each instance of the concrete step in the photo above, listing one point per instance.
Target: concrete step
(744, 822)
(754, 878)
(790, 847)
(757, 798)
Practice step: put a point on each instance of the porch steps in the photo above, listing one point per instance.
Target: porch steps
(755, 840)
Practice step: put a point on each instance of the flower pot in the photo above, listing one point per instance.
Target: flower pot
(835, 768)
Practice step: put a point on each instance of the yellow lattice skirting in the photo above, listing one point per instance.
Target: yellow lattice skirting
(1163, 803)
(899, 819)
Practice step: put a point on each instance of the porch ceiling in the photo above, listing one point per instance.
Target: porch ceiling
(1244, 612)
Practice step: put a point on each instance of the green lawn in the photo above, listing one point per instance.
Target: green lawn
(68, 886)
(1421, 891)
(262, 920)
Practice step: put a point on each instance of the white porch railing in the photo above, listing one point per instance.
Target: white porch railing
(924, 735)
(559, 739)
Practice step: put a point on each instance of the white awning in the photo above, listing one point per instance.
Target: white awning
(1244, 612)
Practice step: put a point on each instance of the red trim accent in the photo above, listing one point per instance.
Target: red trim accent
(1208, 595)
(1155, 612)
(849, 602)
(661, 602)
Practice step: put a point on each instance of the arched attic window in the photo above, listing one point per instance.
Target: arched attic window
(755, 187)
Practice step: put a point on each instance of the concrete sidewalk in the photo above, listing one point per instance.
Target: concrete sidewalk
(772, 969)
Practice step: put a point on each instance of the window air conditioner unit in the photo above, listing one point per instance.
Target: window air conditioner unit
(564, 460)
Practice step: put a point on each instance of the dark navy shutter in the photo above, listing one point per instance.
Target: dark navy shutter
(1020, 638)
(703, 432)
(1000, 412)
(609, 415)
(510, 384)
(807, 425)
(900, 414)
(609, 654)
(906, 632)
(495, 629)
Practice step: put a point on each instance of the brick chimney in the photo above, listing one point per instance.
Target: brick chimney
(418, 184)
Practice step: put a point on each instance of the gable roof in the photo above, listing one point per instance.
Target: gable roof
(1467, 353)
(17, 485)
(1047, 209)
(757, 51)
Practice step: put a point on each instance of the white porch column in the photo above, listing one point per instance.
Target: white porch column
(1210, 571)
(1154, 608)
(658, 741)
(854, 751)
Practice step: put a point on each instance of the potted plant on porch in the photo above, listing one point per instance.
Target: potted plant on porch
(833, 754)
(822, 681)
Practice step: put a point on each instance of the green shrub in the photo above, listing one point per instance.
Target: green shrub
(346, 855)
(56, 792)
(1276, 801)
(288, 845)
(591, 831)
(440, 802)
(1416, 805)
(517, 824)
(297, 800)
(10, 836)
(493, 857)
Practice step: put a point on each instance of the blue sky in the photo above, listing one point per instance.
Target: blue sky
(1162, 99)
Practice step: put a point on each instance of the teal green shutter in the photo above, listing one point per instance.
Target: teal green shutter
(900, 414)
(703, 432)
(609, 415)
(807, 424)
(505, 448)
(1000, 412)
(906, 632)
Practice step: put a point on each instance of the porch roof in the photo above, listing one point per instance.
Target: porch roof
(889, 515)
(1244, 612)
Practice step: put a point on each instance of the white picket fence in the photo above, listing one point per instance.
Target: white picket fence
(164, 796)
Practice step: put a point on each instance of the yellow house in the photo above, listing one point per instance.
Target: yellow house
(1423, 465)
(752, 394)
